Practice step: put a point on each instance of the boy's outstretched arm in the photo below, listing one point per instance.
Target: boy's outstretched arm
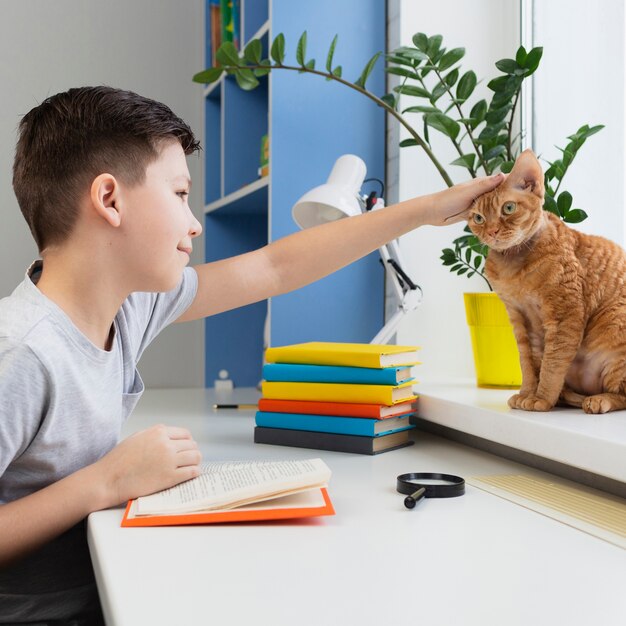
(311, 254)
(148, 461)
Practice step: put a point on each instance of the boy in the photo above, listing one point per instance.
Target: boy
(101, 178)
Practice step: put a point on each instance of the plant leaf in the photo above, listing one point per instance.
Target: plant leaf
(208, 76)
(301, 49)
(405, 143)
(367, 70)
(452, 77)
(278, 49)
(467, 160)
(401, 71)
(412, 90)
(466, 85)
(389, 99)
(331, 52)
(549, 204)
(434, 44)
(494, 152)
(227, 54)
(520, 56)
(575, 216)
(246, 79)
(532, 60)
(508, 66)
(421, 109)
(450, 58)
(443, 123)
(252, 52)
(564, 202)
(421, 41)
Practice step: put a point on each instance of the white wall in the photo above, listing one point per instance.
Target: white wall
(147, 47)
(581, 81)
(489, 31)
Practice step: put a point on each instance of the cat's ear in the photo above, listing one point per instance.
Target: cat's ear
(527, 174)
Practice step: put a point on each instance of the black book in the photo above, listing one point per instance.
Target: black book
(332, 441)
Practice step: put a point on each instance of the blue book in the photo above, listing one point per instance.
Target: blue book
(334, 424)
(297, 373)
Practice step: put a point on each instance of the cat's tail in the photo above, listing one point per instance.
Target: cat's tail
(569, 397)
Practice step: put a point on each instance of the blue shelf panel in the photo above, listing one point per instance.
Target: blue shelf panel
(315, 121)
(245, 122)
(255, 14)
(212, 146)
(234, 339)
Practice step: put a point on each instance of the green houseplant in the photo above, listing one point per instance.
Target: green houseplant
(482, 132)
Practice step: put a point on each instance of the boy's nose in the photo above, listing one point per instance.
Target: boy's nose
(196, 228)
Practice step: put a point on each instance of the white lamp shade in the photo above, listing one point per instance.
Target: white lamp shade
(337, 198)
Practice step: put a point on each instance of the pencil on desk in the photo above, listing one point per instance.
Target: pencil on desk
(235, 406)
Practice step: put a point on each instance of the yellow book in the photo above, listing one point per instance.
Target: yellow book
(339, 392)
(348, 354)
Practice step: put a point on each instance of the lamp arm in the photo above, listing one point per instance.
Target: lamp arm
(408, 294)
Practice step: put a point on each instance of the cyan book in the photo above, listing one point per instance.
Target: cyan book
(333, 424)
(296, 372)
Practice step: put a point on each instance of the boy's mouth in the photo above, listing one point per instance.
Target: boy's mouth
(185, 250)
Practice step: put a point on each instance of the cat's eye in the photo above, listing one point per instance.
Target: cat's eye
(478, 219)
(509, 207)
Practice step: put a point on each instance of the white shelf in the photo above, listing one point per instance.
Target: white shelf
(594, 443)
(238, 195)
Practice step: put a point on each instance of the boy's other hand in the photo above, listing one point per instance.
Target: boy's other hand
(149, 461)
(453, 204)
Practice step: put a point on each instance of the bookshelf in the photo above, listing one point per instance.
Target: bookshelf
(310, 123)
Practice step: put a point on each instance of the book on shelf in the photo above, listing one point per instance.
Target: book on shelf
(332, 441)
(215, 23)
(339, 392)
(238, 491)
(344, 409)
(333, 423)
(301, 372)
(346, 354)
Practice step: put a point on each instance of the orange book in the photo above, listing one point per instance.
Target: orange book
(305, 504)
(238, 491)
(343, 409)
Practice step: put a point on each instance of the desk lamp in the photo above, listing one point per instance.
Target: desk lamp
(340, 197)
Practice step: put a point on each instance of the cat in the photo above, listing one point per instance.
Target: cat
(564, 291)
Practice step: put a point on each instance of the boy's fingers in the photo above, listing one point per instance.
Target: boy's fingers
(188, 457)
(176, 432)
(491, 182)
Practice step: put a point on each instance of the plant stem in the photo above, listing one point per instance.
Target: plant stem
(508, 141)
(378, 101)
(467, 127)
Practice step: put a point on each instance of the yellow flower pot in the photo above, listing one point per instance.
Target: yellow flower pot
(496, 357)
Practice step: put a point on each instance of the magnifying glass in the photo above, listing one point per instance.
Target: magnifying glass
(420, 485)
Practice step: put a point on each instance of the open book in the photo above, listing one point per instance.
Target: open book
(238, 491)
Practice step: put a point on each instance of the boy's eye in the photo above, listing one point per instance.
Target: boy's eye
(182, 194)
(478, 219)
(508, 208)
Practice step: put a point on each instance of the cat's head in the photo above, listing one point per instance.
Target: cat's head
(512, 213)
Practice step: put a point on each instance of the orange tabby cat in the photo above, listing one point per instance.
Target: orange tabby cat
(564, 291)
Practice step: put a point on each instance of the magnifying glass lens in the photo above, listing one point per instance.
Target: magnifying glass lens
(431, 481)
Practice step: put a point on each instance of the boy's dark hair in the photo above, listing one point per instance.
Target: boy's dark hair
(72, 137)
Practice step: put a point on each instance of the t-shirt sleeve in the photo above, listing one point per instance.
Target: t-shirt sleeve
(24, 399)
(147, 314)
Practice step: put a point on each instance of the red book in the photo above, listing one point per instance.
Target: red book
(344, 409)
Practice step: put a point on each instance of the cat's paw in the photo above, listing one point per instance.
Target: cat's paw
(529, 402)
(515, 402)
(597, 404)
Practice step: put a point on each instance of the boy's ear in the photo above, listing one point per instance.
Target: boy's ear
(527, 174)
(104, 195)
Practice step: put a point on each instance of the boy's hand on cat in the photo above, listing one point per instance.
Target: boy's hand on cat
(530, 402)
(453, 204)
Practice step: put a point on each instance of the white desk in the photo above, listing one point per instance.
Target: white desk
(475, 560)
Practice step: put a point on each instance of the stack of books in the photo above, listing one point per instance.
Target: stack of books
(345, 397)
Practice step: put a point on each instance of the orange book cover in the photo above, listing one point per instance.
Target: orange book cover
(342, 409)
(251, 513)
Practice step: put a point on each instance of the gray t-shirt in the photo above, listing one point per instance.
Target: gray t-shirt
(62, 405)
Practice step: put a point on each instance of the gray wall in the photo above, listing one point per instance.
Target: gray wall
(147, 47)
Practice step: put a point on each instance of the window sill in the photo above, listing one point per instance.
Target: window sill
(592, 443)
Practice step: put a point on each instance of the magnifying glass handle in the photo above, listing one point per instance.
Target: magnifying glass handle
(414, 498)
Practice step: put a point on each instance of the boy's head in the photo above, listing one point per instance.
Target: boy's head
(72, 137)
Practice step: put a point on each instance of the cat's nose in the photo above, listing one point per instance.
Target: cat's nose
(493, 232)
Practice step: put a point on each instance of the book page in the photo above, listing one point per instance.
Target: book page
(228, 484)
